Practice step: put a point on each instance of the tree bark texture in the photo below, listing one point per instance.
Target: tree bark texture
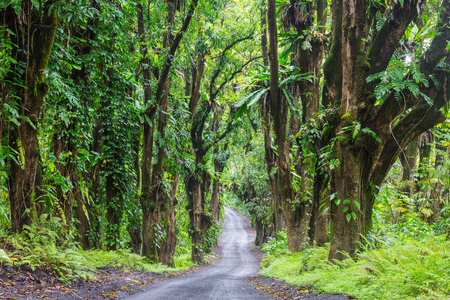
(408, 159)
(152, 201)
(34, 34)
(363, 161)
(269, 155)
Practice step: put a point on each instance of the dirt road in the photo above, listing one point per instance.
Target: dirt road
(223, 280)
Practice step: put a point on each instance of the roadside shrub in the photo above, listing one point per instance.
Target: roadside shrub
(50, 247)
(393, 268)
(211, 237)
(275, 244)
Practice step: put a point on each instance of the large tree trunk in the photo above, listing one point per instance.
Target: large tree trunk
(165, 212)
(149, 249)
(219, 165)
(34, 33)
(114, 211)
(198, 219)
(294, 210)
(95, 191)
(347, 181)
(67, 169)
(365, 159)
(312, 181)
(64, 140)
(428, 209)
(437, 204)
(270, 159)
(82, 215)
(152, 201)
(197, 228)
(318, 228)
(269, 155)
(168, 245)
(135, 223)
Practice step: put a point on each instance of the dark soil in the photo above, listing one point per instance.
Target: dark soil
(107, 283)
(286, 291)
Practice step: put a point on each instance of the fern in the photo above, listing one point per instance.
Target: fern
(400, 78)
(390, 268)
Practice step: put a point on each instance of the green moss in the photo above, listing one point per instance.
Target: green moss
(332, 70)
(362, 62)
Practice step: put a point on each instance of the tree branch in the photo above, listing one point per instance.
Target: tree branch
(170, 56)
(386, 41)
(420, 119)
(437, 49)
(219, 67)
(390, 108)
(226, 132)
(217, 91)
(197, 127)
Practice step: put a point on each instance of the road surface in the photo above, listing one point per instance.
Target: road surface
(223, 280)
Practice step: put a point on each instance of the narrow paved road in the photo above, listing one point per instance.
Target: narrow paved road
(223, 280)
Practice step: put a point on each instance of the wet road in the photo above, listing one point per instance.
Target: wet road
(223, 280)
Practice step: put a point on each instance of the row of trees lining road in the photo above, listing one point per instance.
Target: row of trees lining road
(119, 117)
(369, 117)
(105, 110)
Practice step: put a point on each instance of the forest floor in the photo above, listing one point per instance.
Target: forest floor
(110, 283)
(119, 284)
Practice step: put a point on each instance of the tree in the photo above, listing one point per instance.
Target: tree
(31, 31)
(152, 201)
(208, 131)
(366, 122)
(366, 143)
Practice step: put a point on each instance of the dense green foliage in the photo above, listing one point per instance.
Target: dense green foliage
(48, 247)
(127, 125)
(406, 261)
(103, 78)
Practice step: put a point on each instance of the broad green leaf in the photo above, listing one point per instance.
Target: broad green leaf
(355, 133)
(240, 111)
(348, 217)
(357, 205)
(251, 98)
(29, 121)
(36, 4)
(324, 211)
(291, 102)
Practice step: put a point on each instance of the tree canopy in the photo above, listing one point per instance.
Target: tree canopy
(132, 123)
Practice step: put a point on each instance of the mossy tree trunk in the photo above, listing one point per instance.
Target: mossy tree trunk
(363, 159)
(67, 141)
(220, 160)
(152, 201)
(33, 36)
(270, 157)
(408, 159)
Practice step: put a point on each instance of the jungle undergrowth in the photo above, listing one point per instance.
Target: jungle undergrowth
(397, 262)
(50, 247)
